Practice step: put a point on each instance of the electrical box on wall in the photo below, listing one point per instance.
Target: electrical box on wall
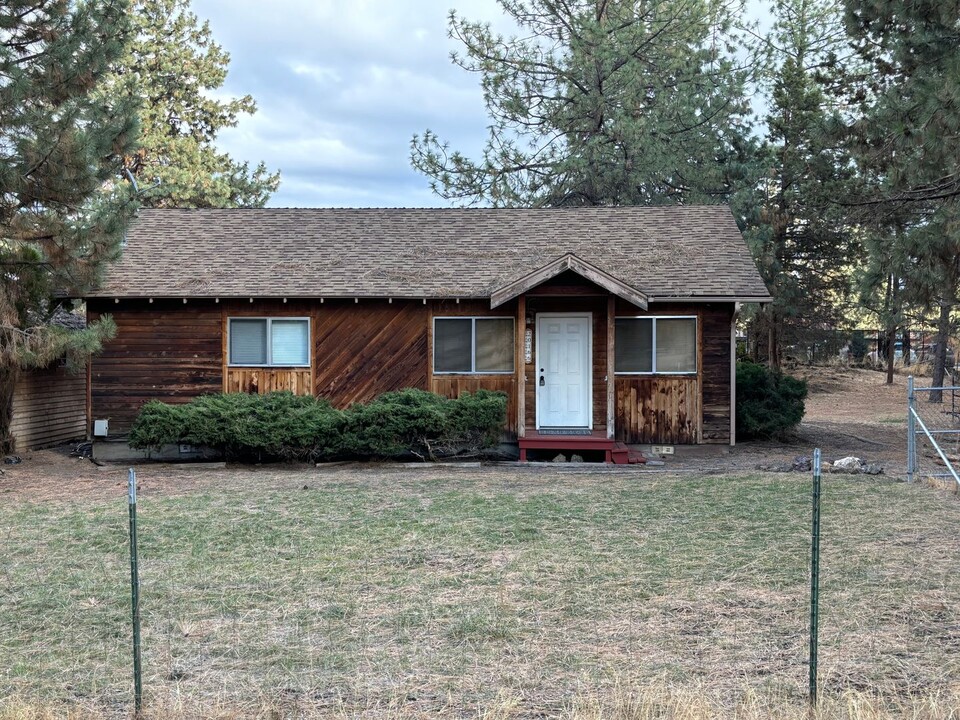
(101, 428)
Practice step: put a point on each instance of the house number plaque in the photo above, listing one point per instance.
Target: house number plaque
(528, 346)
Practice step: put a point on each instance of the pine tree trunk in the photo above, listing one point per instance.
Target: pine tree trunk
(773, 341)
(940, 356)
(8, 381)
(891, 351)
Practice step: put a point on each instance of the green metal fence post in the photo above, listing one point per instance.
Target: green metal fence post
(815, 578)
(135, 596)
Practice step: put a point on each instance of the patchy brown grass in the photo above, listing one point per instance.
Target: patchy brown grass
(292, 592)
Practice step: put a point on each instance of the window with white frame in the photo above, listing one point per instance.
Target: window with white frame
(473, 345)
(646, 345)
(269, 342)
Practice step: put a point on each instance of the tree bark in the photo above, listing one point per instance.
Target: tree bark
(940, 356)
(891, 351)
(891, 328)
(8, 381)
(773, 341)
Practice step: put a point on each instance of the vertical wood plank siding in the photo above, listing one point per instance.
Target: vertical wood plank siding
(657, 409)
(688, 409)
(452, 385)
(49, 407)
(172, 351)
(263, 380)
(164, 350)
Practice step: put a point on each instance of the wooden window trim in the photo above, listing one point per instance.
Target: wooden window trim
(473, 345)
(269, 320)
(653, 345)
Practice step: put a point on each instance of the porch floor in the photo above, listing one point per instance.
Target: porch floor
(614, 452)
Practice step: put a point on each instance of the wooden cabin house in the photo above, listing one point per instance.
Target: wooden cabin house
(601, 325)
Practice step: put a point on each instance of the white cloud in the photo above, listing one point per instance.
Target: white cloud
(341, 88)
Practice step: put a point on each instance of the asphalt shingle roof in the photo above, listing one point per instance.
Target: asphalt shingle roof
(389, 252)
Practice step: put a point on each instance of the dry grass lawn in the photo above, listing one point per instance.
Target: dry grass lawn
(498, 593)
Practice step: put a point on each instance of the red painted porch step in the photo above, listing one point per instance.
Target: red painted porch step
(615, 452)
(622, 455)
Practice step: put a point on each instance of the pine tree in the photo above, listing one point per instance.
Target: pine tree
(803, 247)
(599, 102)
(61, 145)
(905, 135)
(174, 64)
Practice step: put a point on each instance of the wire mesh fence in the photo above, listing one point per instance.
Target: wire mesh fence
(933, 432)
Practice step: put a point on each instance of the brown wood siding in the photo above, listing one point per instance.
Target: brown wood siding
(715, 322)
(575, 304)
(704, 398)
(657, 409)
(263, 380)
(364, 349)
(453, 385)
(166, 350)
(49, 407)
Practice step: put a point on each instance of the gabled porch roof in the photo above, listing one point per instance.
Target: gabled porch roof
(574, 264)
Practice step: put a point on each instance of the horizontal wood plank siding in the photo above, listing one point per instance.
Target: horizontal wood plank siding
(657, 409)
(49, 407)
(715, 322)
(166, 350)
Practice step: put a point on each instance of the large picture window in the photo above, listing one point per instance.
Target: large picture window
(656, 345)
(473, 345)
(269, 342)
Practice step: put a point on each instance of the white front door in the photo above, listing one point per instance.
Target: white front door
(563, 363)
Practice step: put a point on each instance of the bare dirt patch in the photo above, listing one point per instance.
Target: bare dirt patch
(849, 411)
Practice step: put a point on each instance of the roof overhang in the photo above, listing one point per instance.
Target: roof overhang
(580, 267)
(712, 298)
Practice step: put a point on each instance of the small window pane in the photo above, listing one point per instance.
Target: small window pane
(677, 345)
(495, 345)
(289, 342)
(451, 345)
(248, 342)
(634, 345)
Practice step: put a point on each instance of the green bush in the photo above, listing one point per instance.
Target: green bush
(158, 424)
(282, 425)
(768, 403)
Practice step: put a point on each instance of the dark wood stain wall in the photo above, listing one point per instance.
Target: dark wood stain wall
(715, 321)
(165, 350)
(597, 306)
(680, 409)
(172, 351)
(49, 407)
(367, 348)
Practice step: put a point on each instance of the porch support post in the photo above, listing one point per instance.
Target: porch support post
(733, 374)
(521, 370)
(611, 332)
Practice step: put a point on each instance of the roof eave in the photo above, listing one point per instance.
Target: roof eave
(580, 267)
(711, 298)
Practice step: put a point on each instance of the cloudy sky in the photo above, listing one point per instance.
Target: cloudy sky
(342, 86)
